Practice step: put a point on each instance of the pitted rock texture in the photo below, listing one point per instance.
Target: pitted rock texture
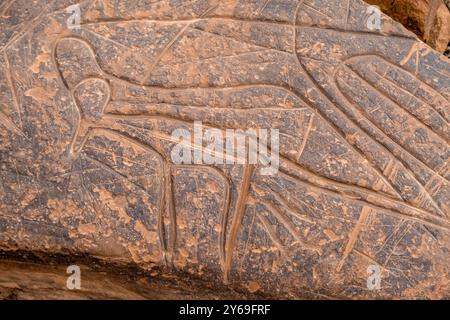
(85, 143)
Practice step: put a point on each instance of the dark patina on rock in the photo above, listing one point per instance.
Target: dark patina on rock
(87, 113)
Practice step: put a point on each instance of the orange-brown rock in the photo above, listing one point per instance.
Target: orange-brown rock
(28, 276)
(429, 19)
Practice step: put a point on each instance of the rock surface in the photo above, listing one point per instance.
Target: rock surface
(429, 19)
(447, 3)
(86, 121)
(25, 276)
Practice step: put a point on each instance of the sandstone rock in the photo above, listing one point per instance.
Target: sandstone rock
(88, 114)
(429, 19)
(25, 276)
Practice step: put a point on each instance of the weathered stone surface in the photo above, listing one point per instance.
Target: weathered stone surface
(429, 19)
(85, 134)
(40, 276)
